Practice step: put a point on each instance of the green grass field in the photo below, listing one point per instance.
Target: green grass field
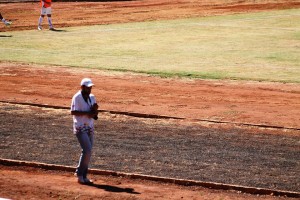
(261, 46)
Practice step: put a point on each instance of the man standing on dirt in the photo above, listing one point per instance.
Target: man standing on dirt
(7, 23)
(45, 10)
(84, 110)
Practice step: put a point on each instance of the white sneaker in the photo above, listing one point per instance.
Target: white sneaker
(7, 23)
(39, 28)
(87, 181)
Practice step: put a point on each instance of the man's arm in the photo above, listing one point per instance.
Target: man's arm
(80, 113)
(43, 3)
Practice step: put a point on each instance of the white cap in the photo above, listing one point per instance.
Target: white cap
(87, 82)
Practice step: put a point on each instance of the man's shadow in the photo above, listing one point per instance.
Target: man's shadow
(5, 36)
(58, 30)
(110, 188)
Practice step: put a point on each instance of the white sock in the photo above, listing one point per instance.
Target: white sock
(50, 22)
(3, 20)
(40, 21)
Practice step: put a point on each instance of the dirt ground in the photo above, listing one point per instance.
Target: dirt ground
(30, 183)
(25, 16)
(274, 104)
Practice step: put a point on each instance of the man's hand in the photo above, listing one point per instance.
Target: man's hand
(43, 3)
(94, 110)
(95, 106)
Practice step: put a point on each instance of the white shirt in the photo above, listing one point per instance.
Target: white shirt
(82, 122)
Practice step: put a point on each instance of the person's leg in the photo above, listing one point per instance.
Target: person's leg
(43, 14)
(91, 138)
(86, 143)
(50, 21)
(40, 22)
(7, 23)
